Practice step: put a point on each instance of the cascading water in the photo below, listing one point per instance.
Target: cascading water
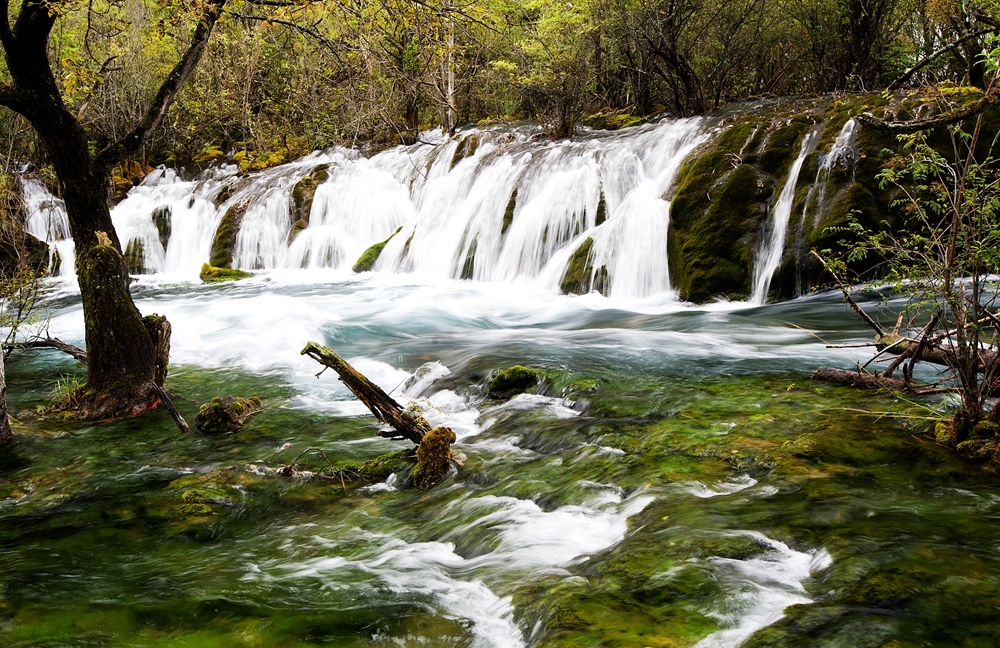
(770, 248)
(491, 206)
(47, 221)
(840, 153)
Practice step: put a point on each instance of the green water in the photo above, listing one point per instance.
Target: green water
(642, 497)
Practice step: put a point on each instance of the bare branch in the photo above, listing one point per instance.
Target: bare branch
(912, 126)
(168, 90)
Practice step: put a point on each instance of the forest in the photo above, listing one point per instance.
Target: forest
(499, 323)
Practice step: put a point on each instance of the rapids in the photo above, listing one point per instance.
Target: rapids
(677, 480)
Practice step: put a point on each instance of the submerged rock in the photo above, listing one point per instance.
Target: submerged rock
(433, 457)
(211, 274)
(513, 381)
(226, 414)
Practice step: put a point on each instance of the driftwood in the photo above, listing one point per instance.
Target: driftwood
(178, 419)
(385, 409)
(860, 379)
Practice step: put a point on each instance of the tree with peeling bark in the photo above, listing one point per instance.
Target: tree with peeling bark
(127, 353)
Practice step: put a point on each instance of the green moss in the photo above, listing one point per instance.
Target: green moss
(469, 265)
(226, 414)
(224, 194)
(368, 258)
(783, 146)
(433, 457)
(135, 256)
(715, 228)
(161, 219)
(577, 278)
(508, 214)
(514, 380)
(602, 210)
(304, 192)
(211, 274)
(297, 227)
(225, 237)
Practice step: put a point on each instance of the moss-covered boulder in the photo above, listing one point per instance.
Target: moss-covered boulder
(225, 236)
(161, 219)
(226, 414)
(211, 274)
(508, 213)
(578, 278)
(433, 457)
(305, 191)
(368, 258)
(513, 381)
(135, 256)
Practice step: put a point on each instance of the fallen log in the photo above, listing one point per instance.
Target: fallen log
(860, 379)
(407, 424)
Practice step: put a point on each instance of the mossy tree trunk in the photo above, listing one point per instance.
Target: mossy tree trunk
(123, 365)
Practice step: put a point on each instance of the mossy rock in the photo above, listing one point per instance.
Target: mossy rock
(135, 256)
(433, 457)
(226, 414)
(508, 214)
(305, 191)
(514, 380)
(225, 237)
(368, 258)
(469, 266)
(161, 219)
(712, 243)
(211, 274)
(465, 149)
(579, 271)
(297, 227)
(977, 450)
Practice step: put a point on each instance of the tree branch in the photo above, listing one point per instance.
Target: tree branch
(168, 90)
(977, 107)
(12, 97)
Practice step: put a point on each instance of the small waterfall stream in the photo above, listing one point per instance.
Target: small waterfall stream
(771, 247)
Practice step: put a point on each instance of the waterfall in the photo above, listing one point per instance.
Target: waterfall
(840, 153)
(769, 251)
(47, 221)
(502, 205)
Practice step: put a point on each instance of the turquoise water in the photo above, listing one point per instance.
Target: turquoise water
(676, 480)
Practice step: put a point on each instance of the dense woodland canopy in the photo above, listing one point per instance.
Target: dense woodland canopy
(282, 78)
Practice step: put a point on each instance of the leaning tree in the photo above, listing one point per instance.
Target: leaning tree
(126, 353)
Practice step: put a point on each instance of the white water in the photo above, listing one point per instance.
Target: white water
(449, 214)
(840, 153)
(47, 221)
(769, 252)
(761, 588)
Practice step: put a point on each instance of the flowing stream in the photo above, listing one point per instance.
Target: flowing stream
(675, 480)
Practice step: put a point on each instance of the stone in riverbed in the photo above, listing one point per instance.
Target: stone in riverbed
(226, 414)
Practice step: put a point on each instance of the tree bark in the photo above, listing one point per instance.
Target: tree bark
(859, 379)
(377, 401)
(126, 355)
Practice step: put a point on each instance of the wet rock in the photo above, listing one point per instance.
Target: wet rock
(226, 414)
(513, 381)
(433, 457)
(368, 258)
(212, 274)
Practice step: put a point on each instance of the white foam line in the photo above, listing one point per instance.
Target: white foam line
(760, 589)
